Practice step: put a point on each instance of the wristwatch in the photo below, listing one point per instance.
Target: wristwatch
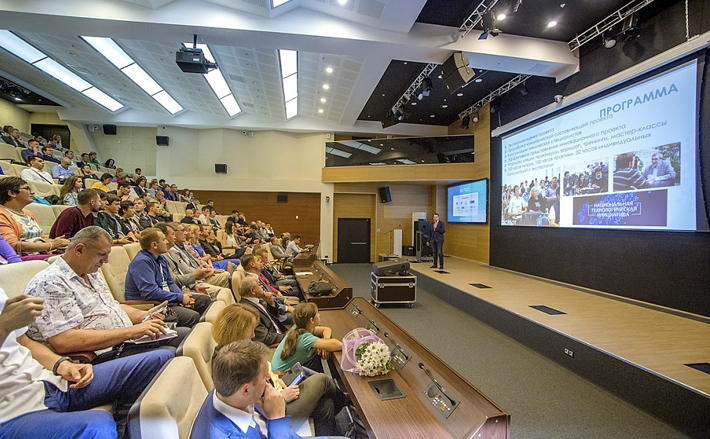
(60, 361)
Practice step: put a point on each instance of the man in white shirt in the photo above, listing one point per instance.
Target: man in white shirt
(293, 249)
(517, 205)
(36, 171)
(45, 395)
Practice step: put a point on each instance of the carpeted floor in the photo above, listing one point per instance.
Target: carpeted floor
(545, 400)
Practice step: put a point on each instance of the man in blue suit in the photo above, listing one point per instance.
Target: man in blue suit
(436, 240)
(243, 403)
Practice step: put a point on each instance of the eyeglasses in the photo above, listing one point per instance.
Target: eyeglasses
(27, 188)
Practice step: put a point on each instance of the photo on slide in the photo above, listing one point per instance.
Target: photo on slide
(590, 177)
(657, 167)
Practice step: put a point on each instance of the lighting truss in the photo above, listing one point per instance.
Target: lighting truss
(409, 93)
(607, 23)
(476, 17)
(500, 91)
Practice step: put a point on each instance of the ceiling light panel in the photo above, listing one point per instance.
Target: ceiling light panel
(58, 71)
(291, 108)
(143, 79)
(277, 3)
(18, 47)
(167, 102)
(288, 63)
(231, 105)
(110, 50)
(103, 99)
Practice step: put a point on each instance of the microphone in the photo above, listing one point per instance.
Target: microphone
(401, 362)
(387, 336)
(431, 394)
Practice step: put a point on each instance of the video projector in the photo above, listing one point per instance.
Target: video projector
(192, 60)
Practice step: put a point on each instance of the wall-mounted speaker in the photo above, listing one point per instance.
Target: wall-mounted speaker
(162, 140)
(385, 195)
(220, 168)
(110, 130)
(455, 72)
(282, 198)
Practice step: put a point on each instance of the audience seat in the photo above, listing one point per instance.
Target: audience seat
(219, 235)
(18, 168)
(57, 188)
(132, 249)
(48, 166)
(90, 182)
(222, 219)
(15, 277)
(114, 271)
(42, 189)
(7, 168)
(267, 247)
(58, 154)
(172, 208)
(112, 186)
(181, 206)
(214, 311)
(44, 214)
(168, 407)
(75, 170)
(59, 208)
(177, 217)
(8, 152)
(199, 346)
(51, 259)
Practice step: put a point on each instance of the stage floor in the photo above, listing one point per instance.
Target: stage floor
(658, 340)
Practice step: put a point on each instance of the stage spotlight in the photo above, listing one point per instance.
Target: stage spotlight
(474, 117)
(609, 39)
(523, 89)
(426, 87)
(465, 122)
(630, 29)
(489, 26)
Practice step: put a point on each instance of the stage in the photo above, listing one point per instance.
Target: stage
(636, 350)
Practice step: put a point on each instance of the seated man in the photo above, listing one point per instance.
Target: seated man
(123, 192)
(268, 330)
(187, 263)
(205, 217)
(93, 160)
(84, 160)
(71, 220)
(32, 149)
(277, 249)
(62, 171)
(46, 154)
(252, 266)
(153, 210)
(80, 313)
(187, 278)
(660, 173)
(274, 275)
(149, 278)
(189, 217)
(47, 396)
(108, 220)
(127, 219)
(140, 216)
(36, 171)
(626, 176)
(293, 249)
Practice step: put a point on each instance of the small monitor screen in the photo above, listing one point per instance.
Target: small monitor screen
(468, 202)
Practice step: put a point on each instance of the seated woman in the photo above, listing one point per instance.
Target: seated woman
(119, 175)
(231, 241)
(216, 246)
(103, 184)
(140, 188)
(304, 341)
(316, 397)
(110, 163)
(18, 226)
(69, 193)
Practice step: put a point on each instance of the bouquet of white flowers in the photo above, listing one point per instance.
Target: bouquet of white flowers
(365, 354)
(373, 359)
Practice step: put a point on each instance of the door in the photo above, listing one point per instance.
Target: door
(353, 239)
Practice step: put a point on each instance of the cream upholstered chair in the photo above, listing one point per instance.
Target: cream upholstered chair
(168, 408)
(177, 217)
(15, 277)
(221, 219)
(181, 206)
(172, 208)
(90, 182)
(8, 152)
(199, 346)
(18, 168)
(214, 311)
(115, 274)
(7, 168)
(59, 208)
(48, 166)
(41, 189)
(44, 214)
(132, 249)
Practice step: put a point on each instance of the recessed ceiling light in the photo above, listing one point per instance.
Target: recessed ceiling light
(18, 99)
(479, 80)
(414, 103)
(553, 23)
(444, 106)
(326, 87)
(329, 70)
(322, 100)
(459, 94)
(342, 2)
(433, 115)
(320, 110)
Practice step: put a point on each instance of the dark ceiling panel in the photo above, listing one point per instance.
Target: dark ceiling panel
(18, 94)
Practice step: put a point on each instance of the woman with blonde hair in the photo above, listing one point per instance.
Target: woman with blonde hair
(316, 397)
(304, 341)
(69, 193)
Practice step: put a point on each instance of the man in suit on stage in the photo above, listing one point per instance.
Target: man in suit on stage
(436, 240)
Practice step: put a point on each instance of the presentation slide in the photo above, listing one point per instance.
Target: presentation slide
(627, 160)
(467, 202)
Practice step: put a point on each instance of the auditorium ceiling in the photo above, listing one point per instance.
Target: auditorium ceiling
(367, 52)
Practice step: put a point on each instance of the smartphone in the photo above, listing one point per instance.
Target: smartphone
(294, 376)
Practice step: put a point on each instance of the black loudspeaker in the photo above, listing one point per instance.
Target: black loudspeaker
(282, 198)
(408, 250)
(162, 140)
(455, 72)
(385, 195)
(110, 130)
(220, 168)
(390, 267)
